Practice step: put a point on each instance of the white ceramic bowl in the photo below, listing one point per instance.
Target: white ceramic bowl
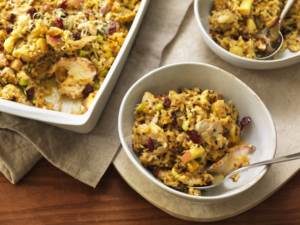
(188, 75)
(86, 122)
(202, 10)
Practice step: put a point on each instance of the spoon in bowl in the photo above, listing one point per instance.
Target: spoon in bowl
(272, 36)
(220, 179)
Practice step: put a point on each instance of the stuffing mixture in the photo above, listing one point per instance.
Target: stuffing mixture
(55, 54)
(237, 25)
(189, 138)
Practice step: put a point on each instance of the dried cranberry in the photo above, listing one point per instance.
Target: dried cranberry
(30, 93)
(194, 136)
(245, 121)
(59, 23)
(8, 30)
(150, 144)
(76, 36)
(1, 47)
(113, 27)
(154, 170)
(31, 12)
(63, 5)
(12, 18)
(226, 132)
(174, 119)
(167, 102)
(165, 127)
(87, 90)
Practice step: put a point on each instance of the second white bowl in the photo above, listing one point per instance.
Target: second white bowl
(202, 9)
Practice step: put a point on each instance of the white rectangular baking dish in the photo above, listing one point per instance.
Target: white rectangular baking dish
(87, 121)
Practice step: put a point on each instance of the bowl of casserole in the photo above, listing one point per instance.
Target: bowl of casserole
(232, 30)
(192, 127)
(59, 60)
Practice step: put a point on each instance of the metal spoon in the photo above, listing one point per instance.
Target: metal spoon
(254, 165)
(273, 35)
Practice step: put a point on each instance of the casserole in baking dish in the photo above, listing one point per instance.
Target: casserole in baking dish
(64, 56)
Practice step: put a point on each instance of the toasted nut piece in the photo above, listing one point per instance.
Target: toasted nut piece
(16, 65)
(75, 4)
(55, 31)
(3, 35)
(3, 61)
(7, 75)
(12, 92)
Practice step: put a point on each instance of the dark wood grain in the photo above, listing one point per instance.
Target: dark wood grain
(48, 196)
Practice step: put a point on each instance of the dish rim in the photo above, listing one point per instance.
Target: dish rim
(208, 37)
(61, 119)
(146, 173)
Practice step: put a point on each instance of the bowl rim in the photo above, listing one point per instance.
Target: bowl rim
(154, 180)
(208, 37)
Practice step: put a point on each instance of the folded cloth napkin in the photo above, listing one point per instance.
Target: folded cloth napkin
(86, 157)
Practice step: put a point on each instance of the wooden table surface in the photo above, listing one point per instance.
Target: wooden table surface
(48, 196)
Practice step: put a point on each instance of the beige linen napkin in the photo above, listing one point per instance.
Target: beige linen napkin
(86, 157)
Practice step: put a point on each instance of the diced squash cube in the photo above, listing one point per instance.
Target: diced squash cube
(251, 26)
(193, 166)
(193, 153)
(245, 7)
(236, 50)
(185, 125)
(9, 44)
(16, 65)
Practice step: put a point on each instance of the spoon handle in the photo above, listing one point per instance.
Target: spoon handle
(268, 162)
(285, 10)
